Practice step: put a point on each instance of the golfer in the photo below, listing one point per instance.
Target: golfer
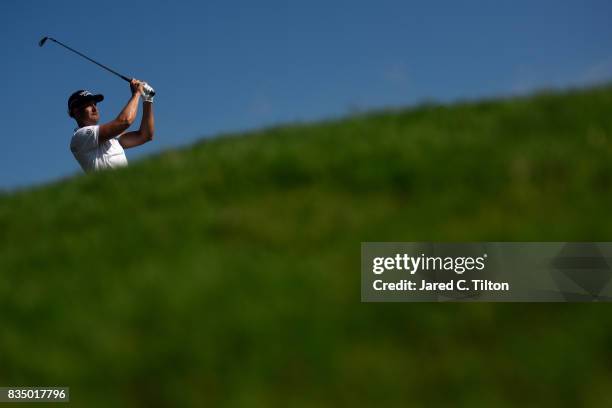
(98, 147)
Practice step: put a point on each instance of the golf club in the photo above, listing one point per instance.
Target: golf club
(44, 40)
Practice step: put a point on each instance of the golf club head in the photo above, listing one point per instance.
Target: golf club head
(42, 41)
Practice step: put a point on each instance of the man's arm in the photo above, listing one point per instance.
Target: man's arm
(125, 118)
(146, 131)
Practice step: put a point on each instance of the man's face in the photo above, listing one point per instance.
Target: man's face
(87, 114)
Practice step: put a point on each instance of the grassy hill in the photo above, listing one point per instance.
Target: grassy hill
(227, 274)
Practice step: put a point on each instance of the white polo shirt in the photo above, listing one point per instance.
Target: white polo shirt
(93, 157)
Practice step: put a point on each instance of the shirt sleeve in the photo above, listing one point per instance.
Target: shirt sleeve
(85, 139)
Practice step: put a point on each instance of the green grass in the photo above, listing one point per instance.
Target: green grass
(227, 273)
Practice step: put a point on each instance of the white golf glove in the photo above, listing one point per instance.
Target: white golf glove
(147, 93)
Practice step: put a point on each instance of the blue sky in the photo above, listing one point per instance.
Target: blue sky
(221, 66)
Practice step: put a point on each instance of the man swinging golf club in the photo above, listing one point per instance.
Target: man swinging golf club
(98, 147)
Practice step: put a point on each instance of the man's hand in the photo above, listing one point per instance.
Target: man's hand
(147, 93)
(136, 87)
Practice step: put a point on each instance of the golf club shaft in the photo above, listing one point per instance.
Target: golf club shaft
(95, 62)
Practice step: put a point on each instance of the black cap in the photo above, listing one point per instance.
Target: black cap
(81, 97)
